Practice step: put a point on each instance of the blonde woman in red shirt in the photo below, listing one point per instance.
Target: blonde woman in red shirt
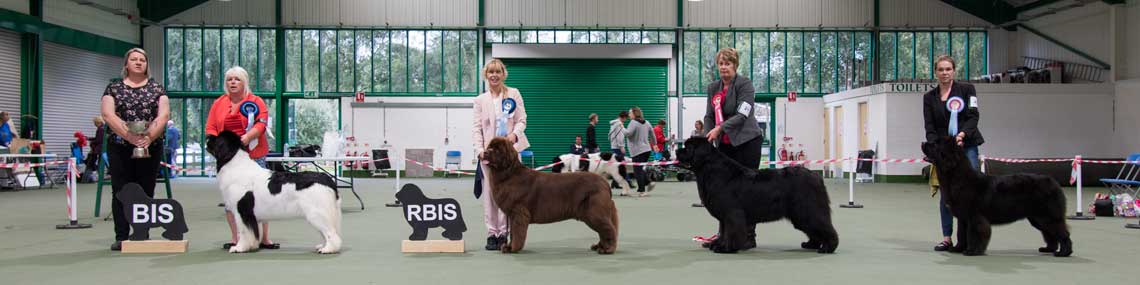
(245, 114)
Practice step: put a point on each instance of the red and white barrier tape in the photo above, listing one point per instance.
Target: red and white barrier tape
(702, 239)
(178, 169)
(544, 167)
(29, 164)
(651, 163)
(805, 162)
(438, 168)
(1075, 163)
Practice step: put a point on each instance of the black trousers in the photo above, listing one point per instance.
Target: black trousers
(125, 169)
(747, 154)
(639, 171)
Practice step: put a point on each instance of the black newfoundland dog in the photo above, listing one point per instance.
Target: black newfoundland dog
(740, 198)
(979, 201)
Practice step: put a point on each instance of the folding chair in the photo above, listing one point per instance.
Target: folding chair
(164, 177)
(1126, 180)
(454, 157)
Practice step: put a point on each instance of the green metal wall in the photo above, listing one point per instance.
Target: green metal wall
(560, 93)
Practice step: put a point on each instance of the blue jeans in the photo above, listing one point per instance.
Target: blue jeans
(261, 162)
(947, 218)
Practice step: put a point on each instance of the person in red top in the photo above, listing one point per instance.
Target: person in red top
(659, 134)
(245, 114)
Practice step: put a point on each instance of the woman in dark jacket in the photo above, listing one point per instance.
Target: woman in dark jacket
(937, 114)
(729, 114)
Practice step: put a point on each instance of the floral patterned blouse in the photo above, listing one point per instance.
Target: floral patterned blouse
(135, 104)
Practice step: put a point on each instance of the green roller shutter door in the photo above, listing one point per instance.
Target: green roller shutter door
(560, 93)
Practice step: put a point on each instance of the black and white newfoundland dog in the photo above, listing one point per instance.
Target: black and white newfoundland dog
(593, 164)
(256, 194)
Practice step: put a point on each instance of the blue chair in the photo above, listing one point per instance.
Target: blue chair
(1126, 180)
(454, 157)
(527, 154)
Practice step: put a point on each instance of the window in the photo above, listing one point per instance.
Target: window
(309, 119)
(887, 51)
(917, 50)
(197, 58)
(780, 61)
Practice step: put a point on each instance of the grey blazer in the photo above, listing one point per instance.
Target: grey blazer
(739, 122)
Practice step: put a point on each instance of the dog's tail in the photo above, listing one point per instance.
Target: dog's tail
(245, 209)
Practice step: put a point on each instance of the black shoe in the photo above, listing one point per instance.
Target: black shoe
(503, 240)
(492, 243)
(943, 246)
(117, 246)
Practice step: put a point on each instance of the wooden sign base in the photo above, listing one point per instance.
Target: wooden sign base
(432, 246)
(155, 246)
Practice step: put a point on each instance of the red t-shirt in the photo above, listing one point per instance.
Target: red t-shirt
(225, 116)
(659, 134)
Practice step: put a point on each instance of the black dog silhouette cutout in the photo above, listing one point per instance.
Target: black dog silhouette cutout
(423, 213)
(144, 213)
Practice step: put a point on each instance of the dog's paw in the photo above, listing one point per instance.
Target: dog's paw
(957, 249)
(973, 253)
(239, 248)
(1063, 253)
(722, 248)
(319, 246)
(811, 244)
(1046, 249)
(328, 250)
(505, 248)
(826, 249)
(605, 250)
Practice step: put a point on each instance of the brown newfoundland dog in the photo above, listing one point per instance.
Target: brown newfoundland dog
(531, 197)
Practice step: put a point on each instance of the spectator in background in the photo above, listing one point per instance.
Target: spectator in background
(28, 131)
(6, 127)
(592, 134)
(173, 141)
(641, 143)
(578, 148)
(617, 135)
(659, 134)
(698, 129)
(96, 144)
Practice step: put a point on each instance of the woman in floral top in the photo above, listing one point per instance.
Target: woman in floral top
(135, 98)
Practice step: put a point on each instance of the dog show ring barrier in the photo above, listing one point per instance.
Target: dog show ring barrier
(1074, 179)
(70, 182)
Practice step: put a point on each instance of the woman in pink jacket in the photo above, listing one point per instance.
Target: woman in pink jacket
(499, 112)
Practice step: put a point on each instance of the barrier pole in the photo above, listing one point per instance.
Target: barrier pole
(1080, 213)
(399, 162)
(72, 198)
(851, 188)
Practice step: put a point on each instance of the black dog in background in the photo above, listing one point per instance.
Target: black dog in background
(740, 198)
(979, 201)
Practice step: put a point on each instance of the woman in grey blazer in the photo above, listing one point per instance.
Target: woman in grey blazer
(730, 115)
